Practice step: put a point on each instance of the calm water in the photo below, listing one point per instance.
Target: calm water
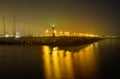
(94, 61)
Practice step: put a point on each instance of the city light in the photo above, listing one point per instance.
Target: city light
(67, 34)
(55, 31)
(47, 32)
(61, 33)
(6, 35)
(18, 35)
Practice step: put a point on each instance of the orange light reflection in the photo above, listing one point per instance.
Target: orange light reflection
(65, 64)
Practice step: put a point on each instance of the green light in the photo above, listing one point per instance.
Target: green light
(53, 25)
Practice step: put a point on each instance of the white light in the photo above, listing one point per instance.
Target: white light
(18, 35)
(6, 35)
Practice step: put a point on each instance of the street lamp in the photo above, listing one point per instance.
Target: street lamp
(53, 28)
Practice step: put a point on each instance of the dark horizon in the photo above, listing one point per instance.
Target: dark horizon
(84, 16)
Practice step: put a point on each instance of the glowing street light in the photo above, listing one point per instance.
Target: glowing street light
(67, 34)
(46, 32)
(61, 33)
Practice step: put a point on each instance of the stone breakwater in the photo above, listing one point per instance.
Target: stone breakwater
(49, 40)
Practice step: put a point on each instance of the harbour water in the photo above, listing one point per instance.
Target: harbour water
(99, 60)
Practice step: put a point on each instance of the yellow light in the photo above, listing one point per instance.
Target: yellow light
(61, 33)
(46, 49)
(67, 33)
(74, 33)
(46, 31)
(55, 31)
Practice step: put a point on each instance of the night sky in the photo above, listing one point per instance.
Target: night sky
(84, 16)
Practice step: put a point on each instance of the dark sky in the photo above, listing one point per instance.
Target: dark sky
(85, 16)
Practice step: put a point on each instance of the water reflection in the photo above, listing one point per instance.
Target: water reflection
(87, 62)
(61, 63)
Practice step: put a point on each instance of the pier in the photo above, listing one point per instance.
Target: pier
(49, 40)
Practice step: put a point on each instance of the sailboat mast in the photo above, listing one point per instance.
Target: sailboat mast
(30, 33)
(14, 28)
(4, 31)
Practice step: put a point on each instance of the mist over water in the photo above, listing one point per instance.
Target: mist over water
(99, 60)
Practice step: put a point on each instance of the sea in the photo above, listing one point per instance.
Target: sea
(98, 60)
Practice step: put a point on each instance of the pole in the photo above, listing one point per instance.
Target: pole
(53, 28)
(14, 28)
(4, 31)
(53, 32)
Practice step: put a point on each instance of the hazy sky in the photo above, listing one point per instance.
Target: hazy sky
(85, 16)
